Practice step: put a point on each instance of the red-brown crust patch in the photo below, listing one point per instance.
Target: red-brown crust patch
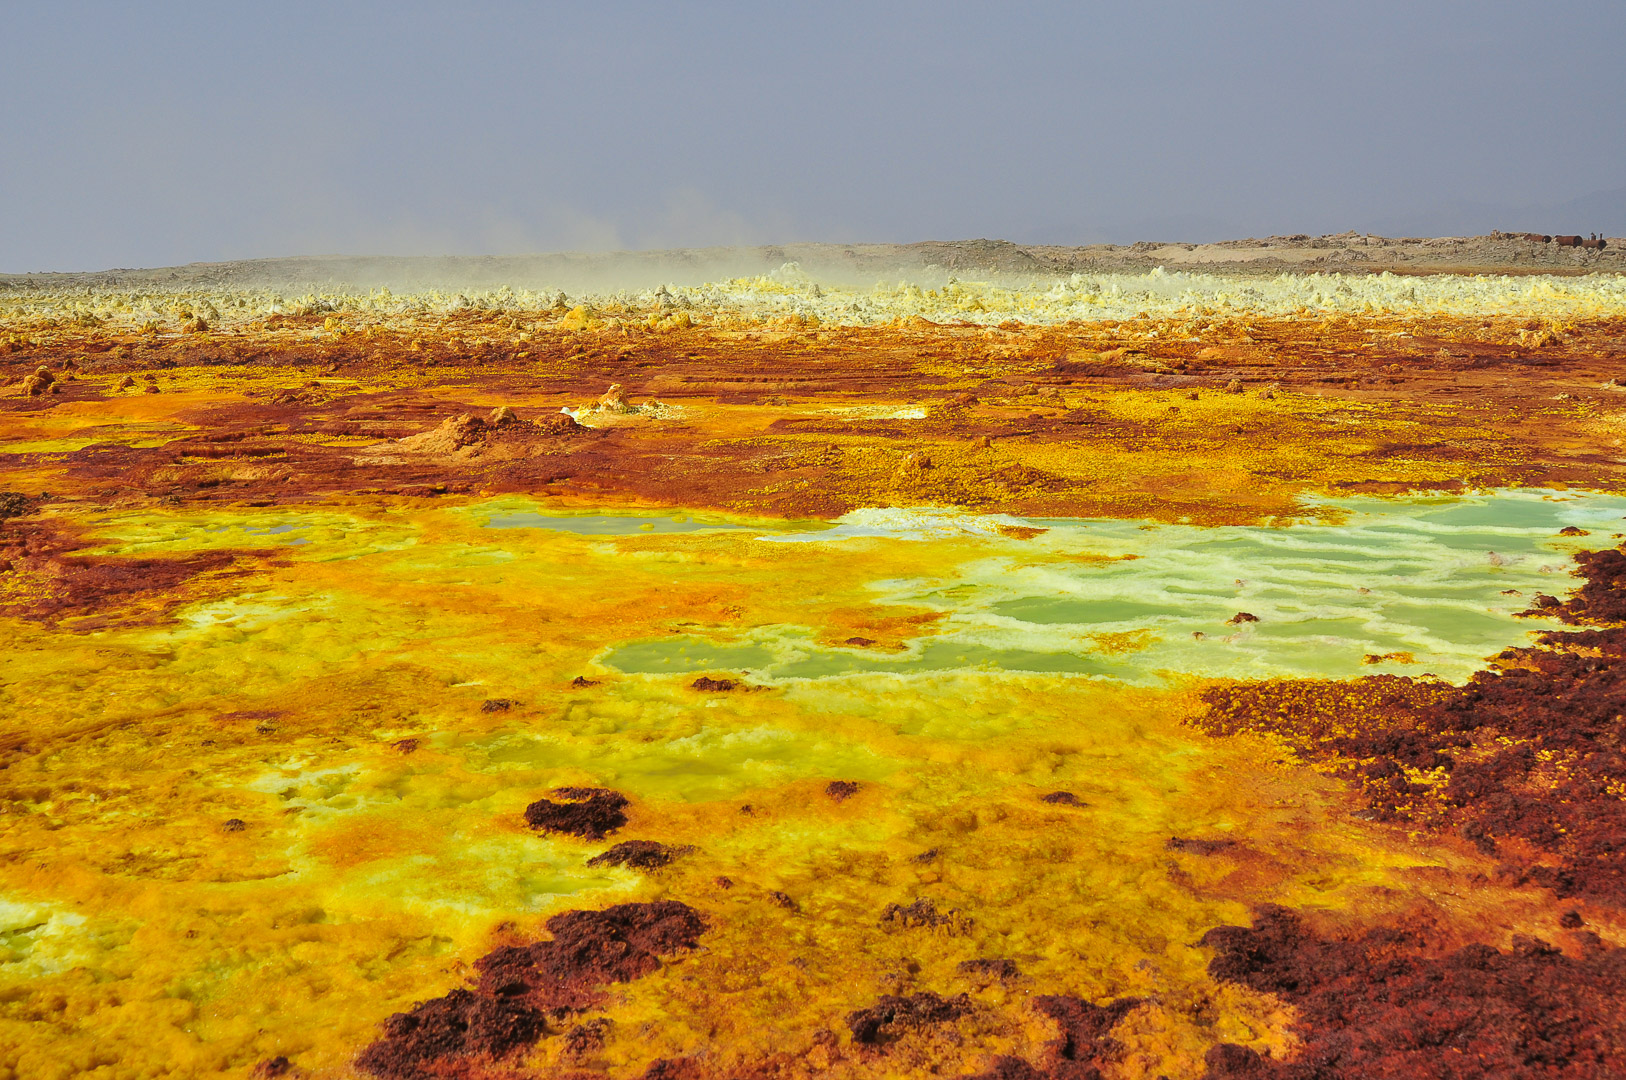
(1395, 1002)
(589, 813)
(521, 986)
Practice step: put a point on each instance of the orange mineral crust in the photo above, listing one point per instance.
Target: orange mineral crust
(1211, 419)
(765, 680)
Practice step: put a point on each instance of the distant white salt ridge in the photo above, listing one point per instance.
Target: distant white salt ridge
(791, 294)
(1160, 294)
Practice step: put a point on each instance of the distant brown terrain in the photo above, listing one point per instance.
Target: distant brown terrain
(1495, 253)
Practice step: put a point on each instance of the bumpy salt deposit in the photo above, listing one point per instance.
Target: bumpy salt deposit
(789, 293)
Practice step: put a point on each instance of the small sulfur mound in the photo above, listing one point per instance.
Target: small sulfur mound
(558, 424)
(13, 504)
(40, 382)
(613, 403)
(923, 914)
(917, 462)
(579, 317)
(453, 434)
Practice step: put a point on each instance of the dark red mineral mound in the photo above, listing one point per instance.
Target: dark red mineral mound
(1084, 1042)
(463, 1024)
(1395, 1002)
(639, 855)
(893, 1015)
(586, 812)
(521, 986)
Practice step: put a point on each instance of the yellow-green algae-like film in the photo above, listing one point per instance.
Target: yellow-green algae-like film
(257, 828)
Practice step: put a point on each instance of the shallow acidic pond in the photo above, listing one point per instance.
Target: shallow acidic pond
(1413, 585)
(1419, 584)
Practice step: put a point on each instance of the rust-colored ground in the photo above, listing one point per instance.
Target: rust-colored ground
(1208, 420)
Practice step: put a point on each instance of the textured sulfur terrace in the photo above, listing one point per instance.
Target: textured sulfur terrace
(900, 699)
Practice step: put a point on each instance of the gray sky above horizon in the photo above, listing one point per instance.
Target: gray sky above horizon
(164, 133)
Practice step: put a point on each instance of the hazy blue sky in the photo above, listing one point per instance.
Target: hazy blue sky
(157, 133)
